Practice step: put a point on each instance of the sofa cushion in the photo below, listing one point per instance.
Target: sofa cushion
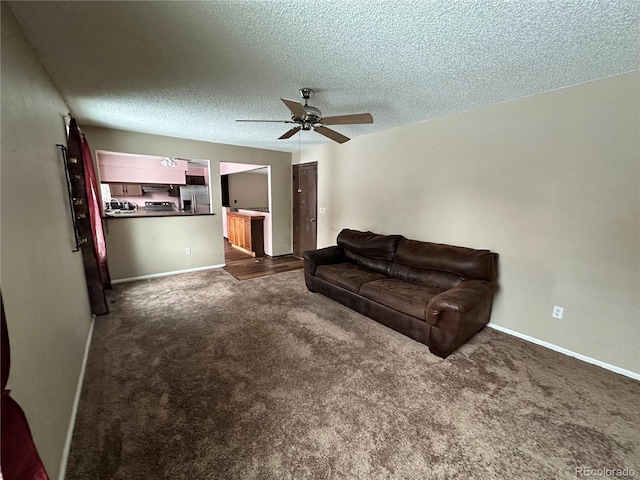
(346, 275)
(405, 297)
(420, 276)
(369, 250)
(465, 262)
(370, 245)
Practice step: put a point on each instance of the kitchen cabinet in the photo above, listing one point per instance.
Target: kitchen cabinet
(195, 180)
(120, 169)
(125, 189)
(246, 233)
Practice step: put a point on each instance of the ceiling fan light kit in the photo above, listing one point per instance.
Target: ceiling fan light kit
(308, 117)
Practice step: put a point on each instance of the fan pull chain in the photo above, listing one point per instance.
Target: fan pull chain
(299, 160)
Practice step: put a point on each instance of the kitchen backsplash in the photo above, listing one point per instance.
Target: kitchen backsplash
(140, 199)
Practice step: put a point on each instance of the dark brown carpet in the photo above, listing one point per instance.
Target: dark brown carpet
(201, 376)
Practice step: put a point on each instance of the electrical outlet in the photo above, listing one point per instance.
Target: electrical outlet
(557, 312)
(187, 251)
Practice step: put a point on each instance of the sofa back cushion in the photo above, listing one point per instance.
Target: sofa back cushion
(369, 250)
(448, 262)
(426, 277)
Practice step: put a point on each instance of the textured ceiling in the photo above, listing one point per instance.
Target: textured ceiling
(189, 69)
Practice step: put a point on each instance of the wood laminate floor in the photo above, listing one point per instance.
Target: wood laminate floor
(244, 267)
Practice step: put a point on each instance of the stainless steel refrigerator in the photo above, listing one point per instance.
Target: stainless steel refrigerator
(195, 199)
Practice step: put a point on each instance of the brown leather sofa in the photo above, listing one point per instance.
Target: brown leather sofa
(440, 295)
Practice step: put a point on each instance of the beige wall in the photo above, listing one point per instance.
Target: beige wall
(247, 190)
(206, 232)
(551, 182)
(43, 284)
(147, 246)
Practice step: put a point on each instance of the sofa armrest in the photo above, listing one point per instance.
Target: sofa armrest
(462, 298)
(323, 256)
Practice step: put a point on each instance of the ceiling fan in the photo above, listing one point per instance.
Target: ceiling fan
(308, 117)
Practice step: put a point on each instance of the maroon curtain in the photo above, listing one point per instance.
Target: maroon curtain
(95, 213)
(20, 459)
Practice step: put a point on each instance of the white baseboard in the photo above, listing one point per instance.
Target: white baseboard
(556, 348)
(166, 274)
(74, 408)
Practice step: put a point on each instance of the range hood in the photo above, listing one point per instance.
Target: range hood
(155, 188)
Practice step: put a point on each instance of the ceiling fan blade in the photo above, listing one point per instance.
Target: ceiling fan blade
(354, 119)
(332, 134)
(266, 121)
(290, 133)
(297, 109)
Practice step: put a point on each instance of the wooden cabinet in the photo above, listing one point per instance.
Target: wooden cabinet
(246, 233)
(195, 180)
(125, 189)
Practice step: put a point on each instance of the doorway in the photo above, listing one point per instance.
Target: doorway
(305, 207)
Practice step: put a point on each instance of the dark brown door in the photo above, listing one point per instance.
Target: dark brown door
(305, 207)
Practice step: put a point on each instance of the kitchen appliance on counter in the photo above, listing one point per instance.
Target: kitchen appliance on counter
(159, 206)
(195, 199)
(114, 205)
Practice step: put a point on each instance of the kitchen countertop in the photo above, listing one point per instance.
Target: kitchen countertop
(246, 213)
(143, 213)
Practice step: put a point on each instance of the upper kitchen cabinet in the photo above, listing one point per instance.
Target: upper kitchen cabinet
(119, 168)
(196, 180)
(198, 173)
(125, 189)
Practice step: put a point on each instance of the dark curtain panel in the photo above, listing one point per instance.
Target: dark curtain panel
(93, 198)
(20, 459)
(81, 191)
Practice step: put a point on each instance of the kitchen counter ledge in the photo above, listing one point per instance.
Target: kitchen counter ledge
(139, 214)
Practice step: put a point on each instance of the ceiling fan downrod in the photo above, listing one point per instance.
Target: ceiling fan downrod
(313, 114)
(306, 94)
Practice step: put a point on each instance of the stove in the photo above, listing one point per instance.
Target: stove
(159, 206)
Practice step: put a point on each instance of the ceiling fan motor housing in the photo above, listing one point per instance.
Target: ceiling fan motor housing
(313, 114)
